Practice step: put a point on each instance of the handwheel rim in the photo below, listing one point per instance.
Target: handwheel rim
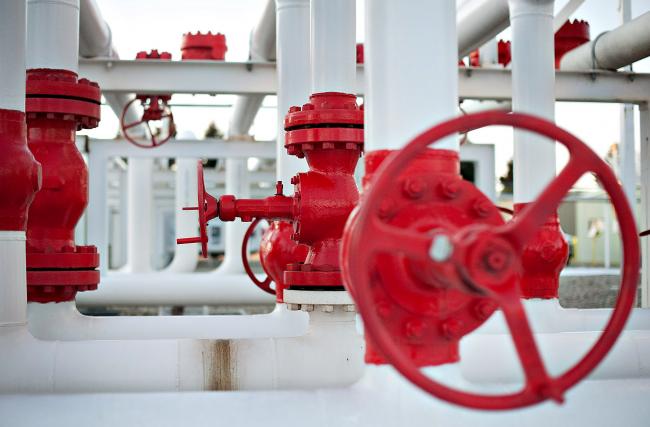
(265, 284)
(358, 275)
(155, 142)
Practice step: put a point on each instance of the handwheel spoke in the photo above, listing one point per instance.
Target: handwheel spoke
(130, 125)
(537, 379)
(390, 239)
(526, 224)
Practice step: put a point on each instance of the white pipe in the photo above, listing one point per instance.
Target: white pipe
(236, 171)
(185, 256)
(140, 213)
(627, 150)
(95, 36)
(62, 321)
(12, 50)
(52, 34)
(612, 50)
(533, 82)
(293, 75)
(154, 289)
(333, 46)
(411, 71)
(478, 22)
(262, 48)
(13, 291)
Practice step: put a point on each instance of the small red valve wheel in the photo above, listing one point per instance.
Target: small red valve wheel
(155, 108)
(206, 207)
(265, 284)
(482, 260)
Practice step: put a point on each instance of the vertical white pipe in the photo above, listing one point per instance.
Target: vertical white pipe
(644, 122)
(12, 49)
(185, 256)
(533, 80)
(411, 68)
(293, 74)
(237, 184)
(13, 280)
(140, 215)
(626, 151)
(333, 46)
(53, 34)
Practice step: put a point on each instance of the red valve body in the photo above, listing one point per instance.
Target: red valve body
(20, 173)
(542, 259)
(58, 104)
(432, 196)
(277, 250)
(328, 133)
(204, 46)
(570, 35)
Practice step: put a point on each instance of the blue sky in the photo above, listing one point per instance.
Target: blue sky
(146, 24)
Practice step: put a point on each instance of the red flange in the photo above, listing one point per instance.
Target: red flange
(20, 173)
(58, 104)
(570, 35)
(154, 108)
(204, 46)
(483, 260)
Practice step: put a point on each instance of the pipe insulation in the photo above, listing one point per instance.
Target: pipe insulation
(613, 49)
(478, 22)
(533, 83)
(411, 71)
(13, 21)
(50, 41)
(13, 288)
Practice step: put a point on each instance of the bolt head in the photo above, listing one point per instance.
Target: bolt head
(414, 188)
(481, 208)
(414, 328)
(441, 248)
(451, 188)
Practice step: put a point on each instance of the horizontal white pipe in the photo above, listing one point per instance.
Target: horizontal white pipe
(411, 71)
(12, 50)
(333, 46)
(13, 291)
(533, 83)
(560, 351)
(329, 355)
(614, 49)
(478, 22)
(62, 321)
(154, 289)
(547, 316)
(382, 398)
(52, 34)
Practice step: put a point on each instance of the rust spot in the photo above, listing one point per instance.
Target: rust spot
(217, 367)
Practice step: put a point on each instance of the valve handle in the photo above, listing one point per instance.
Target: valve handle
(206, 207)
(466, 255)
(265, 284)
(150, 113)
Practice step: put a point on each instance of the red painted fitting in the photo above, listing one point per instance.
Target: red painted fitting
(430, 195)
(328, 133)
(504, 55)
(204, 46)
(20, 173)
(154, 108)
(570, 35)
(359, 53)
(543, 258)
(58, 104)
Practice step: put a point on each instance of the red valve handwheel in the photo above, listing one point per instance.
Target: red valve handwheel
(157, 114)
(206, 206)
(265, 284)
(472, 258)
